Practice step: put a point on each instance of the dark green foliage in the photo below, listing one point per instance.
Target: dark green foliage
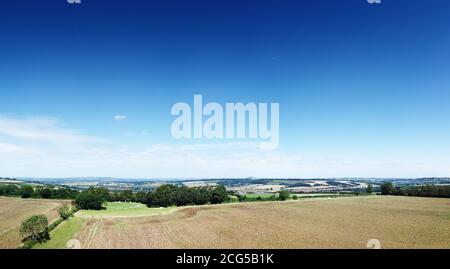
(283, 195)
(122, 196)
(45, 192)
(295, 197)
(91, 199)
(35, 229)
(9, 190)
(102, 193)
(202, 195)
(64, 193)
(26, 191)
(184, 196)
(171, 195)
(218, 195)
(387, 188)
(164, 196)
(140, 197)
(439, 191)
(369, 188)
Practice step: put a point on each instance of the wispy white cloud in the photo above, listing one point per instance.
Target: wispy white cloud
(40, 129)
(43, 147)
(120, 117)
(14, 149)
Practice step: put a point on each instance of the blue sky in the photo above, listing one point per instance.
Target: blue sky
(364, 90)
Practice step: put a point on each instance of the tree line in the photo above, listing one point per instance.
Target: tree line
(440, 191)
(44, 192)
(164, 196)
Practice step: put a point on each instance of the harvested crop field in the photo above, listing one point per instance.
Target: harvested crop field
(397, 222)
(14, 210)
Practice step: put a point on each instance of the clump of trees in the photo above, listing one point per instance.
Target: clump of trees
(171, 195)
(9, 190)
(387, 188)
(283, 195)
(35, 229)
(45, 192)
(163, 196)
(26, 191)
(440, 191)
(92, 198)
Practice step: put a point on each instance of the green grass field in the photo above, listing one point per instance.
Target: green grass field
(123, 209)
(61, 234)
(263, 195)
(299, 195)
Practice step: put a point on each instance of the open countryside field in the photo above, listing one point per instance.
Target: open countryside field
(398, 222)
(14, 210)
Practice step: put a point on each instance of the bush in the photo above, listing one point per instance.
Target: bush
(65, 212)
(35, 229)
(295, 197)
(233, 198)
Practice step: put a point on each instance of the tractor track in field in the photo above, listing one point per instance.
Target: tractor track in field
(92, 232)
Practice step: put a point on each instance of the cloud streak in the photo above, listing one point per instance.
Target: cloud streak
(120, 117)
(40, 129)
(43, 147)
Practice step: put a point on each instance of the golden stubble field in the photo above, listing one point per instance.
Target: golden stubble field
(14, 210)
(397, 222)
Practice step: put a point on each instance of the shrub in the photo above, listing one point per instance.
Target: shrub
(65, 212)
(233, 198)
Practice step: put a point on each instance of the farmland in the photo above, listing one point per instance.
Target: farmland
(398, 222)
(14, 210)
